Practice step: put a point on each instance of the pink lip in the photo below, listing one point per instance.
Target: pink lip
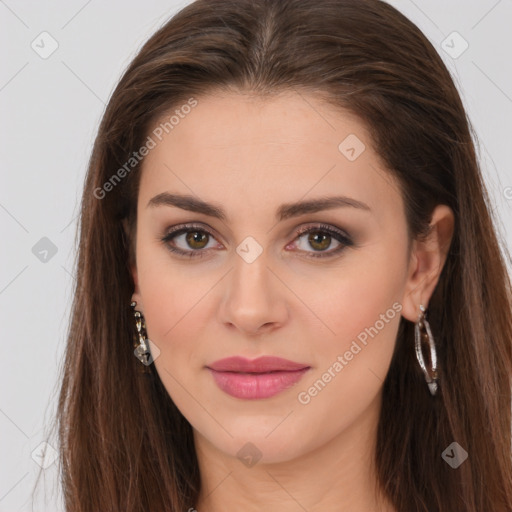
(260, 378)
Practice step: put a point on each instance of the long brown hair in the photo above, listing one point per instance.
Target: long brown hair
(124, 446)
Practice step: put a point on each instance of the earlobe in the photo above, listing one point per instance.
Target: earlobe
(133, 267)
(428, 257)
(136, 294)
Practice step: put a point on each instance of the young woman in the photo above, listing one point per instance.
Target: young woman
(290, 292)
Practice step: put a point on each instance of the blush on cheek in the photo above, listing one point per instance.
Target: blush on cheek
(162, 312)
(368, 315)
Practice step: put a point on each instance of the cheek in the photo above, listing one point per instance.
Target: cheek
(171, 296)
(363, 292)
(364, 312)
(362, 309)
(366, 306)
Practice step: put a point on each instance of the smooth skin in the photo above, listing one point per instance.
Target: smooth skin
(248, 156)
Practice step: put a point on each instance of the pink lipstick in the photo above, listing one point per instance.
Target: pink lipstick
(256, 379)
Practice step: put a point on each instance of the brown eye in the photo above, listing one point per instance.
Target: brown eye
(188, 241)
(320, 238)
(192, 241)
(197, 239)
(319, 241)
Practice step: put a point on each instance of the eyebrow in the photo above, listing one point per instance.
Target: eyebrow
(285, 211)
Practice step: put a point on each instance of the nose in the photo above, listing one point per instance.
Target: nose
(254, 300)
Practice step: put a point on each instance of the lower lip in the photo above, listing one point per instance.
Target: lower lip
(251, 386)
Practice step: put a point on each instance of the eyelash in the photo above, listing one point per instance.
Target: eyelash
(199, 253)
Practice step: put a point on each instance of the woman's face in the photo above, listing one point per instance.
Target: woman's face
(250, 285)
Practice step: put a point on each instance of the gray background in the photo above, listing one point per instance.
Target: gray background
(50, 109)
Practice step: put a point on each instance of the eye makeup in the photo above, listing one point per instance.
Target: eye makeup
(324, 231)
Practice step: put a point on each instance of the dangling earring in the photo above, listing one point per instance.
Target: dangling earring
(142, 352)
(422, 323)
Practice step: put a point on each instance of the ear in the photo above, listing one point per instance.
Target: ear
(427, 261)
(136, 296)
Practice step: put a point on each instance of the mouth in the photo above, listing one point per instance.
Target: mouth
(257, 379)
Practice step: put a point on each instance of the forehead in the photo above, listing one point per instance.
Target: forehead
(234, 122)
(251, 151)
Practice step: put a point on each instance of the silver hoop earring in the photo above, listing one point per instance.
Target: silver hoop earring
(422, 323)
(142, 352)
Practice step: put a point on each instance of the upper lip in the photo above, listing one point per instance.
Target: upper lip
(262, 364)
